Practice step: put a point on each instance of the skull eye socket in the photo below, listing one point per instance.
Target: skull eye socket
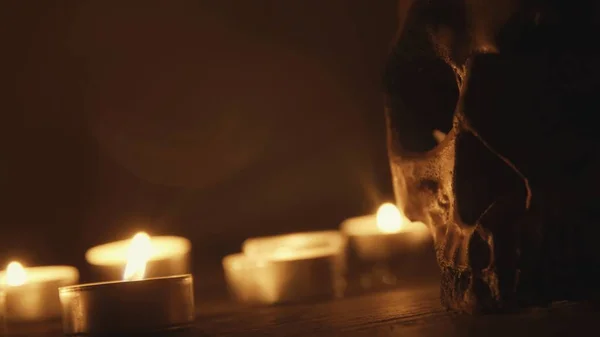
(421, 94)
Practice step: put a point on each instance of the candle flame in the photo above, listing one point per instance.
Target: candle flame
(138, 254)
(389, 218)
(15, 274)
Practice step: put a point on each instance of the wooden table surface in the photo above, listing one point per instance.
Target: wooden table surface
(414, 311)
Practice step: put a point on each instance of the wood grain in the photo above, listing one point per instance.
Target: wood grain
(404, 312)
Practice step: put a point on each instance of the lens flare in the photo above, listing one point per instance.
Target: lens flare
(15, 274)
(389, 218)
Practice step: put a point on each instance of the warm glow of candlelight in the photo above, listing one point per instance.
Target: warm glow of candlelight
(138, 254)
(293, 246)
(389, 218)
(15, 274)
(284, 253)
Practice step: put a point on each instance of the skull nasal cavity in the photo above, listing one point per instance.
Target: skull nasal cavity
(479, 253)
(480, 178)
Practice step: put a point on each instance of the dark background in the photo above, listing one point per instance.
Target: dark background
(214, 120)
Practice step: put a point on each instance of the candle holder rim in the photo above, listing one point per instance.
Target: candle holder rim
(226, 261)
(349, 229)
(339, 239)
(287, 235)
(376, 234)
(96, 285)
(61, 266)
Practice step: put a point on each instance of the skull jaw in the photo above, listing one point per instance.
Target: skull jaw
(536, 280)
(463, 291)
(475, 277)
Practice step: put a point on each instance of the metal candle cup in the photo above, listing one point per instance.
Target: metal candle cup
(287, 268)
(170, 256)
(386, 249)
(31, 294)
(128, 307)
(137, 305)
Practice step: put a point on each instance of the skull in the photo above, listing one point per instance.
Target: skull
(509, 187)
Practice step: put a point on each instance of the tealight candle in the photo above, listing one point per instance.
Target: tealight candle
(31, 294)
(168, 255)
(386, 249)
(287, 268)
(136, 305)
(384, 235)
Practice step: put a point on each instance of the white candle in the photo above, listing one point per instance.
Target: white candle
(120, 308)
(385, 234)
(31, 293)
(136, 305)
(166, 255)
(287, 268)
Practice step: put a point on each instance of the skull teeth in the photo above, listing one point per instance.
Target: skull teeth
(453, 247)
(438, 136)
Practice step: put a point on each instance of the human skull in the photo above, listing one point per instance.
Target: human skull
(509, 188)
